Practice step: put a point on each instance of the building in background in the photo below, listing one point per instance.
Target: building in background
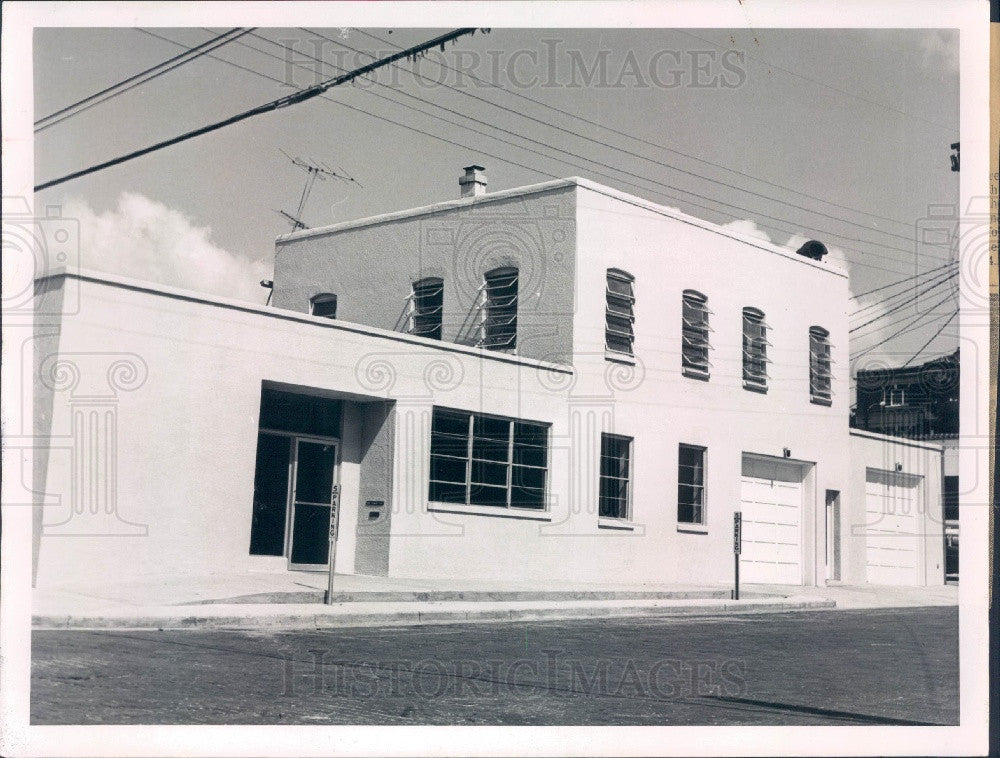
(559, 382)
(919, 402)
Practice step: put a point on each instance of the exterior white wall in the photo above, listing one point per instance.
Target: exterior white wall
(662, 408)
(186, 424)
(370, 264)
(884, 453)
(652, 402)
(187, 430)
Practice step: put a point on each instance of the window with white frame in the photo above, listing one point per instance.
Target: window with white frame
(619, 312)
(613, 498)
(820, 374)
(691, 485)
(754, 350)
(323, 304)
(499, 326)
(694, 335)
(487, 460)
(427, 307)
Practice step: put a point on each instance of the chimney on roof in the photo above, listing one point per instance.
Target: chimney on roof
(813, 249)
(473, 183)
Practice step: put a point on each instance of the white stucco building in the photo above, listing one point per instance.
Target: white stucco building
(560, 381)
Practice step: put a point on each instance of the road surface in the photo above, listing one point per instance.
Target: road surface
(897, 666)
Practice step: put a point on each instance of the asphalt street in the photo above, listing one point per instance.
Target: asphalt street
(884, 667)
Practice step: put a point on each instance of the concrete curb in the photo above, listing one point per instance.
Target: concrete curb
(288, 617)
(431, 596)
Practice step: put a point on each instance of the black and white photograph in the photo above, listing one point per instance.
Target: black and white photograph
(495, 365)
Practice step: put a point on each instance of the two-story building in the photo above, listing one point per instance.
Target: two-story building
(553, 382)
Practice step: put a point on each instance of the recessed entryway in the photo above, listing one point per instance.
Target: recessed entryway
(296, 478)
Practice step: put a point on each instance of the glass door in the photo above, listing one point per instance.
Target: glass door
(313, 498)
(270, 494)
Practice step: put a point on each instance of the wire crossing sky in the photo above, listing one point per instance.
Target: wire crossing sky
(776, 132)
(282, 102)
(141, 78)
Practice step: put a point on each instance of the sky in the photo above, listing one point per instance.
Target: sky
(784, 134)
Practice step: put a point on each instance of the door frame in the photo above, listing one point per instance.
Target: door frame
(834, 537)
(293, 467)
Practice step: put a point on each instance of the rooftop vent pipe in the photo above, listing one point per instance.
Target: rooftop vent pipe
(473, 183)
(813, 249)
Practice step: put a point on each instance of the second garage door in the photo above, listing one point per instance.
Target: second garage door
(891, 528)
(771, 501)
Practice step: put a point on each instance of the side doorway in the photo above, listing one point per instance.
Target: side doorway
(832, 536)
(295, 498)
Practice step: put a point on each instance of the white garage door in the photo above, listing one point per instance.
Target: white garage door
(891, 528)
(771, 495)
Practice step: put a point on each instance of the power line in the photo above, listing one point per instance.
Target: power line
(637, 155)
(886, 300)
(293, 99)
(909, 326)
(908, 315)
(905, 303)
(215, 57)
(934, 337)
(590, 160)
(799, 75)
(683, 200)
(641, 140)
(138, 79)
(902, 281)
(341, 104)
(893, 336)
(905, 330)
(438, 137)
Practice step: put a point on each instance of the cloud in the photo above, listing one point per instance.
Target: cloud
(748, 228)
(872, 308)
(905, 318)
(144, 239)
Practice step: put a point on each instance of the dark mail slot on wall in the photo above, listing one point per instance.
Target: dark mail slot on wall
(375, 509)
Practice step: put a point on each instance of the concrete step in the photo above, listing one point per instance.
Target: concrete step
(478, 596)
(262, 617)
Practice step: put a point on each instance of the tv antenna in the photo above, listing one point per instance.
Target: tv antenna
(314, 170)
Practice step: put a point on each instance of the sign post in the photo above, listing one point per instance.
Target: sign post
(737, 546)
(334, 513)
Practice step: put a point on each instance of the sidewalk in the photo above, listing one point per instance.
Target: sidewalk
(294, 600)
